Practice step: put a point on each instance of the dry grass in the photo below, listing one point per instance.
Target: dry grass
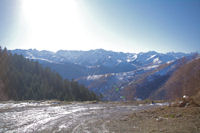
(159, 120)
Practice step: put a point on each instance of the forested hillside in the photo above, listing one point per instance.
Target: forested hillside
(24, 79)
(184, 81)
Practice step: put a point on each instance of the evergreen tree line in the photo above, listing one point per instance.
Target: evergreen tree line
(24, 79)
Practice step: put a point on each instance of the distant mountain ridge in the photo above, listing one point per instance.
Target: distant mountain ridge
(95, 57)
(97, 61)
(115, 75)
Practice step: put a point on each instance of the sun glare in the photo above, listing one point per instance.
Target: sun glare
(54, 22)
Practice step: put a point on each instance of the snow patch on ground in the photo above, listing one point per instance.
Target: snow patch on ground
(150, 67)
(22, 104)
(59, 118)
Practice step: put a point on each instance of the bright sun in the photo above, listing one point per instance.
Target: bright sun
(53, 24)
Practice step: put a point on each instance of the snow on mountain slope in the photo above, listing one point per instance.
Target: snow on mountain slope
(112, 74)
(111, 85)
(131, 58)
(140, 83)
(100, 57)
(157, 61)
(152, 56)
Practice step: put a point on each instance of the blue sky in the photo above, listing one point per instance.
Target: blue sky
(118, 25)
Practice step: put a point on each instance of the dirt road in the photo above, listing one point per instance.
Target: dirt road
(61, 117)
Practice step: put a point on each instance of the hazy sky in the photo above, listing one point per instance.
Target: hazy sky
(119, 25)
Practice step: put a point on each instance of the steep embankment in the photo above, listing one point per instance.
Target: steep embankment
(184, 81)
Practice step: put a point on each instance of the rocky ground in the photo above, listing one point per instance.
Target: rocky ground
(159, 120)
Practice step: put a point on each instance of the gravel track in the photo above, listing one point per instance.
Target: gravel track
(61, 117)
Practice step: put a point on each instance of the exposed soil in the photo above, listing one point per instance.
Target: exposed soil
(159, 120)
(56, 116)
(87, 117)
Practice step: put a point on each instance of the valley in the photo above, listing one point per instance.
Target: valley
(114, 76)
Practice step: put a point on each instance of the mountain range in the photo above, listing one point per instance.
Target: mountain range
(114, 75)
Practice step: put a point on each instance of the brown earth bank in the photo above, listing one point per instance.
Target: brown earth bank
(159, 120)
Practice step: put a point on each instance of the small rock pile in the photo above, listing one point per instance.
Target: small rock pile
(186, 101)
